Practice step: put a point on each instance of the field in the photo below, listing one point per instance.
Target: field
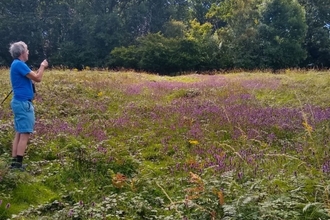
(126, 145)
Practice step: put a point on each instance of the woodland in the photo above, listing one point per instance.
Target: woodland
(169, 36)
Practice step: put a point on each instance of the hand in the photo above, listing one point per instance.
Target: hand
(44, 63)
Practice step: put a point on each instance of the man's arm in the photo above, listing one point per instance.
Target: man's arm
(37, 76)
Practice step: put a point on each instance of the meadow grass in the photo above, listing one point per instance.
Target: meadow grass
(127, 145)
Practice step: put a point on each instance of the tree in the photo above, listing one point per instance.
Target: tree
(19, 21)
(238, 34)
(57, 17)
(199, 8)
(169, 55)
(282, 33)
(244, 34)
(317, 41)
(174, 29)
(207, 45)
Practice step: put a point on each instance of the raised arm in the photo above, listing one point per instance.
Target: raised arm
(37, 76)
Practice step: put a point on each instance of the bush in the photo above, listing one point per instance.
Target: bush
(167, 56)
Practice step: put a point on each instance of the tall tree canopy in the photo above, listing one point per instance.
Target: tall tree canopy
(317, 41)
(282, 32)
(216, 34)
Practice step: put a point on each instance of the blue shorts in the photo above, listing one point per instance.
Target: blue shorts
(24, 118)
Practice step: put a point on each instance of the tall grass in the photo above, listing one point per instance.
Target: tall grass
(126, 145)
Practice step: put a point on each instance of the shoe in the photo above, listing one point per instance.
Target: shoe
(18, 167)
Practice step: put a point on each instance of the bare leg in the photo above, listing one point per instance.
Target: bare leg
(15, 144)
(18, 150)
(22, 143)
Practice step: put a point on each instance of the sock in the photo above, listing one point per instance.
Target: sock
(19, 161)
(13, 161)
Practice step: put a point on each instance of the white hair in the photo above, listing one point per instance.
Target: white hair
(17, 48)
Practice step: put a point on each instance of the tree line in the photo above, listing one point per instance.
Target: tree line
(169, 36)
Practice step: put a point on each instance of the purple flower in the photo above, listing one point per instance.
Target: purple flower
(240, 175)
(326, 167)
(8, 206)
(70, 213)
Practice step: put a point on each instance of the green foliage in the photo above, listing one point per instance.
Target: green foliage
(155, 53)
(174, 29)
(125, 57)
(79, 34)
(282, 32)
(198, 8)
(239, 36)
(317, 40)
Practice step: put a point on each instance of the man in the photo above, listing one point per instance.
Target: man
(21, 77)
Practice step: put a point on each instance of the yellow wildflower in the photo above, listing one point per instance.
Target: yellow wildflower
(194, 142)
(307, 127)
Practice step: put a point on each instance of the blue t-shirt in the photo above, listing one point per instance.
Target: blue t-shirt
(22, 86)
